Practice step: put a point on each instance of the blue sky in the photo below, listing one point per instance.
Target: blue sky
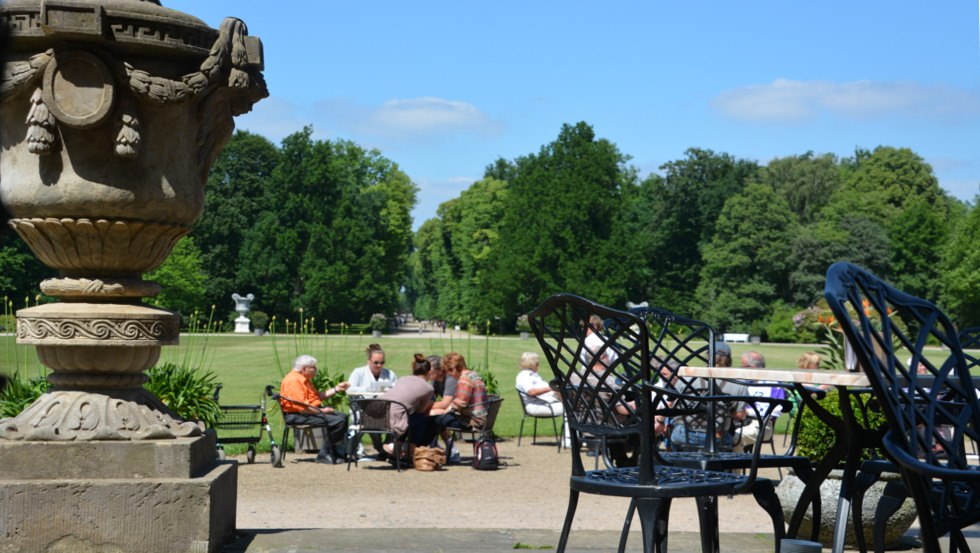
(445, 88)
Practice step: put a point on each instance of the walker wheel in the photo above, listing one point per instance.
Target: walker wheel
(221, 455)
(276, 456)
(250, 454)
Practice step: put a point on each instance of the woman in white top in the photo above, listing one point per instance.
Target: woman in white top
(542, 400)
(373, 374)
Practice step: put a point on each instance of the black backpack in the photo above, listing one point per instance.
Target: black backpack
(485, 454)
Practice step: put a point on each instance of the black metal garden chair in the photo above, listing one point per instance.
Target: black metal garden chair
(607, 383)
(526, 400)
(889, 331)
(677, 341)
(970, 340)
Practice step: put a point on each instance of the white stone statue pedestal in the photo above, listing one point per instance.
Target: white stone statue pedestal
(241, 325)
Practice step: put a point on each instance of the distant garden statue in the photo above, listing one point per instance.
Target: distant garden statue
(242, 305)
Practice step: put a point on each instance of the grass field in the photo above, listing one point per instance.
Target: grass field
(245, 364)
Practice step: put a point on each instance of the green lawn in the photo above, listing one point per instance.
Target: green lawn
(245, 364)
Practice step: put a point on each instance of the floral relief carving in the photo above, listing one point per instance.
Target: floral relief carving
(68, 416)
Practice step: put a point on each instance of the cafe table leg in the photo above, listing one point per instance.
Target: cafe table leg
(842, 443)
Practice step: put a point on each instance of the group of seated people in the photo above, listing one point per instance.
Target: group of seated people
(737, 424)
(440, 394)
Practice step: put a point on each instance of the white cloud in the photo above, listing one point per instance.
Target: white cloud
(789, 101)
(425, 116)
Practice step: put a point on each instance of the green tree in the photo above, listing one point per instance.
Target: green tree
(918, 236)
(960, 270)
(746, 264)
(239, 179)
(460, 259)
(817, 246)
(674, 217)
(878, 184)
(557, 233)
(183, 279)
(805, 181)
(20, 270)
(334, 235)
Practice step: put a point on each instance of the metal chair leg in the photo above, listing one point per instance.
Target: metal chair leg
(624, 535)
(569, 516)
(765, 495)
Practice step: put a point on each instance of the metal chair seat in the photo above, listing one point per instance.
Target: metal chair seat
(733, 460)
(667, 482)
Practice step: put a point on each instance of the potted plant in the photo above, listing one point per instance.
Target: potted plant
(523, 326)
(260, 319)
(815, 440)
(378, 323)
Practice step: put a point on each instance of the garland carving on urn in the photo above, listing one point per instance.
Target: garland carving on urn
(113, 112)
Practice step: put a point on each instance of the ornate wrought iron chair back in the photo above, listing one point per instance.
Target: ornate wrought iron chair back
(970, 340)
(599, 377)
(607, 384)
(930, 407)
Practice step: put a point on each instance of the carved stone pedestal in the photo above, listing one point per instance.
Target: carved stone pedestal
(113, 111)
(166, 496)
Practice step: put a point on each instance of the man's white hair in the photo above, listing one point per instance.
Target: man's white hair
(528, 359)
(304, 361)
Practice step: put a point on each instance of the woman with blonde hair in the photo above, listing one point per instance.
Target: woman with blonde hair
(809, 360)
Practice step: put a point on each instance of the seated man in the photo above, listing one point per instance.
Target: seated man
(690, 432)
(301, 403)
(749, 432)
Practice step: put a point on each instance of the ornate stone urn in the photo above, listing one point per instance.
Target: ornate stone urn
(242, 305)
(112, 111)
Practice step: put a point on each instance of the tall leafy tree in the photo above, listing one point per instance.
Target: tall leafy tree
(805, 181)
(879, 183)
(817, 246)
(182, 278)
(237, 184)
(20, 270)
(918, 236)
(960, 270)
(676, 214)
(471, 233)
(557, 230)
(334, 235)
(746, 264)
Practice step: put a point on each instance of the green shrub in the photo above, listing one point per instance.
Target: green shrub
(325, 379)
(260, 319)
(816, 438)
(8, 323)
(523, 325)
(489, 380)
(19, 393)
(187, 392)
(378, 322)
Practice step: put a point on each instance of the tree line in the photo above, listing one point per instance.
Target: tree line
(324, 228)
(740, 245)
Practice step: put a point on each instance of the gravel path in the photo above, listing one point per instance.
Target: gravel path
(531, 492)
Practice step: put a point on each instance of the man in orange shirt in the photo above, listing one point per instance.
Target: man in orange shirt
(302, 404)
